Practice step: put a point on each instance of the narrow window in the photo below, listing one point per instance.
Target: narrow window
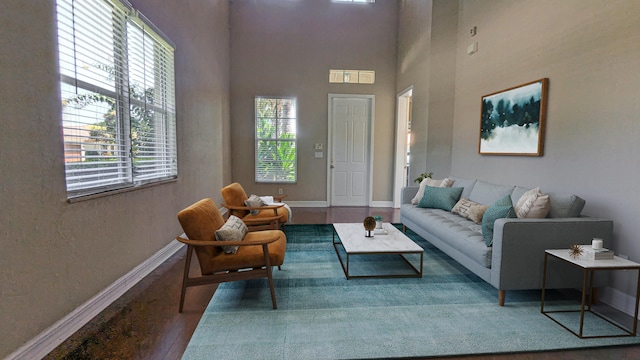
(276, 143)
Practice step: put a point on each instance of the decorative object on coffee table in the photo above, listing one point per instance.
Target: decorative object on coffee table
(575, 251)
(369, 225)
(378, 219)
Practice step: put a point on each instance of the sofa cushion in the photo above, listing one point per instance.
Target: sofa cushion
(467, 184)
(487, 193)
(440, 198)
(517, 193)
(469, 210)
(459, 233)
(430, 182)
(565, 205)
(503, 208)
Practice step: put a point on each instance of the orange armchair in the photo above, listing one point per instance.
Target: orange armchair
(269, 216)
(257, 252)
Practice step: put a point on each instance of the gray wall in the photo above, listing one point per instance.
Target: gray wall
(426, 61)
(589, 51)
(286, 48)
(55, 255)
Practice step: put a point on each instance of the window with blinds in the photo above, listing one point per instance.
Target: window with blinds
(276, 143)
(118, 101)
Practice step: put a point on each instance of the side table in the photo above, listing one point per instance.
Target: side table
(589, 267)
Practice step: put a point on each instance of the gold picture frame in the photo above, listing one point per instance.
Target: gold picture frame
(512, 121)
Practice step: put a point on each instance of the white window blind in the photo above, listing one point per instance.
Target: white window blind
(276, 143)
(118, 102)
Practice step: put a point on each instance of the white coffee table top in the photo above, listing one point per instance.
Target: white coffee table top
(354, 240)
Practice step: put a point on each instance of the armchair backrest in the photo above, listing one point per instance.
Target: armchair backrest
(200, 222)
(234, 195)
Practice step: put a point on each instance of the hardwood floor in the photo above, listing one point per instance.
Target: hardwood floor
(145, 323)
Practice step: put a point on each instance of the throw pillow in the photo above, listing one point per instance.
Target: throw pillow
(440, 198)
(523, 204)
(232, 230)
(528, 200)
(502, 208)
(476, 213)
(469, 210)
(433, 183)
(254, 201)
(540, 207)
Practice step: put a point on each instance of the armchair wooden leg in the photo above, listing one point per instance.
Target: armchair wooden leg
(265, 250)
(185, 276)
(502, 294)
(404, 228)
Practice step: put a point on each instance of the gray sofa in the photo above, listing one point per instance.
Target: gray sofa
(515, 259)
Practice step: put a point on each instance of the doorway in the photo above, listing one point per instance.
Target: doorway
(350, 147)
(403, 145)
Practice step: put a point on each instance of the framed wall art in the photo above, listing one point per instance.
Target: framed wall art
(512, 120)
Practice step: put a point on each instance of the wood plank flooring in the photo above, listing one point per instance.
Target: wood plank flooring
(145, 323)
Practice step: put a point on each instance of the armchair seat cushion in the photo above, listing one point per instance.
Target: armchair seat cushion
(252, 256)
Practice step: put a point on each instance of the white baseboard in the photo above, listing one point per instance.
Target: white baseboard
(307, 204)
(388, 204)
(618, 300)
(56, 334)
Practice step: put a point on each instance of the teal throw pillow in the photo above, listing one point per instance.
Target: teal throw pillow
(500, 209)
(440, 198)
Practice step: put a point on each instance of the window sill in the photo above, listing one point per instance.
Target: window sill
(81, 198)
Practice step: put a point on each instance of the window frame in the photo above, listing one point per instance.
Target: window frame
(279, 174)
(101, 111)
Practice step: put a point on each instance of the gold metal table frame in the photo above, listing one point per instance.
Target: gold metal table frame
(589, 267)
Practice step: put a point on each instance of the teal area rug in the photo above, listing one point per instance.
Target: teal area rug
(321, 315)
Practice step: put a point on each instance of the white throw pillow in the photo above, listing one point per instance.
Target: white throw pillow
(433, 183)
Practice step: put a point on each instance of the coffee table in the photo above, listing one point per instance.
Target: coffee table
(352, 238)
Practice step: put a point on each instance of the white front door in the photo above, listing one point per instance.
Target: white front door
(350, 145)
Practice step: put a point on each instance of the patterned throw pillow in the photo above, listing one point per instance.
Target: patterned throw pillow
(254, 201)
(440, 198)
(469, 210)
(232, 230)
(476, 213)
(433, 183)
(502, 208)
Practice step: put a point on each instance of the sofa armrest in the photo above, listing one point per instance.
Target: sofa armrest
(408, 193)
(519, 245)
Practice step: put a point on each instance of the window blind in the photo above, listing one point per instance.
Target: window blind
(118, 102)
